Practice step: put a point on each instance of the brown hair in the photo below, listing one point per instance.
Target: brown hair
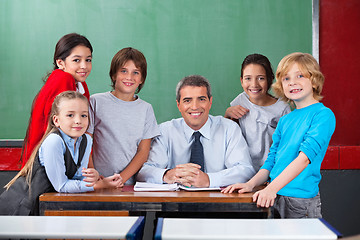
(308, 66)
(122, 57)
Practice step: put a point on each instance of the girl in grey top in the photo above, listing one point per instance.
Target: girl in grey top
(255, 109)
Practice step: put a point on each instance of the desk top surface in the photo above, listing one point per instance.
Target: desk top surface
(127, 194)
(176, 228)
(65, 227)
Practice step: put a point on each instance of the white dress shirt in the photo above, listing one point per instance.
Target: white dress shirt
(226, 155)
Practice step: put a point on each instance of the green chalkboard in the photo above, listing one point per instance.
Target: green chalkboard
(178, 38)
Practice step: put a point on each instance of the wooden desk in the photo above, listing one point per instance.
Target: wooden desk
(40, 227)
(127, 200)
(153, 204)
(255, 229)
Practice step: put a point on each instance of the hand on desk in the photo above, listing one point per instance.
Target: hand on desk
(188, 174)
(263, 198)
(241, 187)
(91, 176)
(114, 181)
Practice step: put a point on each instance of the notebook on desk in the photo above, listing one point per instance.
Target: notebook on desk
(146, 187)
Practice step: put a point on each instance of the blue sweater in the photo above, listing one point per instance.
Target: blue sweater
(306, 130)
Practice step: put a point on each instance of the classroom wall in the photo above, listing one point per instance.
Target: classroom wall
(178, 38)
(339, 60)
(187, 37)
(339, 51)
(191, 38)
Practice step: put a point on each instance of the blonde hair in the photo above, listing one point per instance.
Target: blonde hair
(308, 66)
(55, 109)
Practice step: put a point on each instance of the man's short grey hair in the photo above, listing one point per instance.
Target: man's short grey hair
(195, 81)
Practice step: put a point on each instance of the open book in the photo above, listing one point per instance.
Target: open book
(145, 187)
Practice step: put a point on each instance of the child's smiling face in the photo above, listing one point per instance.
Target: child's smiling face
(127, 80)
(297, 87)
(254, 83)
(78, 63)
(72, 118)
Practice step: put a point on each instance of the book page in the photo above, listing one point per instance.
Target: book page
(145, 187)
(199, 189)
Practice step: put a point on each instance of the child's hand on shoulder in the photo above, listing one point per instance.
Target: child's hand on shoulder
(236, 112)
(91, 176)
(241, 187)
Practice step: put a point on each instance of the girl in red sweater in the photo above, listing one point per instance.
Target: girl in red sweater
(72, 65)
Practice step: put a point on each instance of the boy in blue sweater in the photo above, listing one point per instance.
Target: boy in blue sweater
(299, 144)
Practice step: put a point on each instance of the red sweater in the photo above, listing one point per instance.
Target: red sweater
(59, 81)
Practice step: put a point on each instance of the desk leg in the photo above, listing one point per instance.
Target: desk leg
(149, 225)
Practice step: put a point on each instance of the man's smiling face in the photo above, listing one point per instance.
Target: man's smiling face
(194, 106)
